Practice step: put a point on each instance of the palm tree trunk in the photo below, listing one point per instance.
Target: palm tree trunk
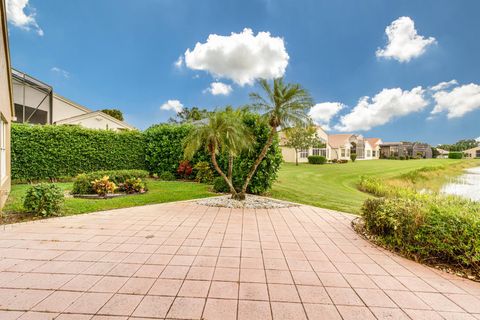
(296, 157)
(262, 155)
(220, 172)
(230, 167)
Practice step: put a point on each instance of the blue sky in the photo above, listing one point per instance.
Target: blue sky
(122, 54)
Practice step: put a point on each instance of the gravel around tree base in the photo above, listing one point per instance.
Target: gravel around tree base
(251, 202)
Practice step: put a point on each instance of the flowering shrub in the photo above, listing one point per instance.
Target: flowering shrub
(133, 185)
(204, 172)
(184, 169)
(103, 186)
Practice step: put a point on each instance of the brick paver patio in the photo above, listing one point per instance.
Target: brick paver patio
(185, 261)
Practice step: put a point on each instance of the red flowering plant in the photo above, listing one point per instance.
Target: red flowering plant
(185, 169)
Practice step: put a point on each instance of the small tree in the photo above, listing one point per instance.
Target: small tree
(117, 114)
(353, 157)
(300, 137)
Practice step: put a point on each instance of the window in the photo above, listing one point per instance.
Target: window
(369, 153)
(477, 154)
(342, 152)
(3, 150)
(304, 153)
(35, 116)
(374, 153)
(319, 152)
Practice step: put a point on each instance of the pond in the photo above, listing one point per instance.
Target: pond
(467, 185)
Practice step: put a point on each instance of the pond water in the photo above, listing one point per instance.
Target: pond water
(467, 185)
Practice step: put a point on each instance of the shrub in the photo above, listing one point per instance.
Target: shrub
(455, 155)
(428, 227)
(133, 185)
(317, 160)
(334, 160)
(219, 185)
(43, 199)
(204, 172)
(164, 150)
(49, 152)
(83, 182)
(103, 186)
(184, 169)
(167, 176)
(342, 161)
(353, 157)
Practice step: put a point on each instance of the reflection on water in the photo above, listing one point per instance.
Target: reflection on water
(467, 185)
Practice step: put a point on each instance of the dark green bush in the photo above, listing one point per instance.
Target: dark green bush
(43, 199)
(83, 182)
(50, 152)
(432, 228)
(219, 185)
(455, 155)
(164, 152)
(353, 157)
(167, 176)
(204, 172)
(317, 160)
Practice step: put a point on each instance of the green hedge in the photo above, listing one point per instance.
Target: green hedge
(164, 151)
(317, 160)
(51, 152)
(455, 155)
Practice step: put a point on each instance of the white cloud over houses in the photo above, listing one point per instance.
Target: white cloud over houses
(444, 85)
(21, 15)
(172, 105)
(322, 113)
(61, 72)
(241, 57)
(219, 88)
(385, 106)
(458, 101)
(404, 43)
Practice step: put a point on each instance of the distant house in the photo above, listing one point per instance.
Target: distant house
(405, 149)
(443, 154)
(337, 146)
(6, 107)
(35, 102)
(472, 153)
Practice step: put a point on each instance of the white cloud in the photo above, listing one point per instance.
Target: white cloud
(219, 88)
(457, 102)
(172, 105)
(444, 85)
(17, 15)
(403, 41)
(179, 62)
(61, 72)
(382, 108)
(323, 112)
(241, 57)
(478, 139)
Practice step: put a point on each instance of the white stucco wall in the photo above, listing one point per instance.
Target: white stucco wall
(97, 122)
(63, 109)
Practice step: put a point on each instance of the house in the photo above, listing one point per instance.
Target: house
(472, 153)
(6, 107)
(36, 102)
(337, 146)
(405, 149)
(289, 153)
(442, 154)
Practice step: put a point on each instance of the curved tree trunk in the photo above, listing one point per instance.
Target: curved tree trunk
(241, 195)
(220, 172)
(230, 168)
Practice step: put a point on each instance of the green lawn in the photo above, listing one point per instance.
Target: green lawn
(333, 186)
(158, 192)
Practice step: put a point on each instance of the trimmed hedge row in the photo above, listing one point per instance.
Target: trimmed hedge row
(83, 182)
(52, 152)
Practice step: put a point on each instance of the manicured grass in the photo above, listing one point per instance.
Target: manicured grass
(158, 192)
(334, 186)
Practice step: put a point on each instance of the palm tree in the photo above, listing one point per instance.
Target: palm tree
(283, 105)
(221, 131)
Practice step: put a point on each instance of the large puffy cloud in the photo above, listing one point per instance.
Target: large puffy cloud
(172, 105)
(382, 108)
(403, 41)
(17, 15)
(219, 88)
(322, 113)
(457, 102)
(241, 57)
